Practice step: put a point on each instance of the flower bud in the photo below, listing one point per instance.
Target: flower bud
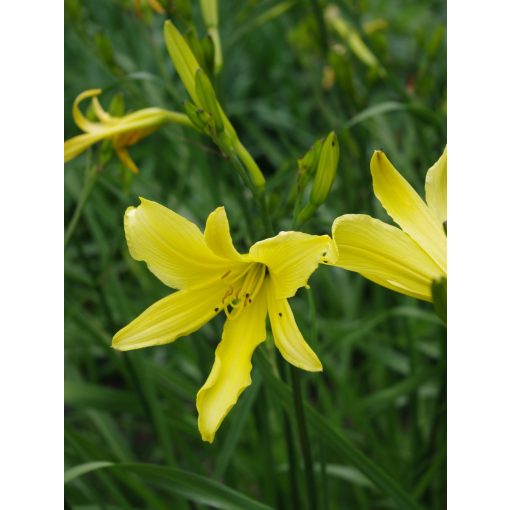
(207, 99)
(209, 10)
(326, 170)
(307, 165)
(184, 61)
(352, 38)
(199, 118)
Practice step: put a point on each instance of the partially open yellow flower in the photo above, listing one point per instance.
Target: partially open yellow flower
(407, 260)
(212, 276)
(122, 131)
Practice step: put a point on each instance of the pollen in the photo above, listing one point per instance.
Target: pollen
(243, 288)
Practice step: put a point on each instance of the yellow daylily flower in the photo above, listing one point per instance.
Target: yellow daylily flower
(406, 260)
(212, 276)
(122, 131)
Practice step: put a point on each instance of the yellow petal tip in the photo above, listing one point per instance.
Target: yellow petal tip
(207, 438)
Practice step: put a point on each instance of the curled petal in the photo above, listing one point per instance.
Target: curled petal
(231, 371)
(407, 209)
(384, 254)
(291, 258)
(83, 123)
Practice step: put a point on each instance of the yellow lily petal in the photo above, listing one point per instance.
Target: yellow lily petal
(78, 144)
(407, 209)
(291, 258)
(124, 156)
(179, 314)
(81, 121)
(230, 374)
(435, 188)
(287, 337)
(172, 246)
(217, 235)
(384, 254)
(99, 112)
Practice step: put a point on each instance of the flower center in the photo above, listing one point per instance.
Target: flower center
(242, 289)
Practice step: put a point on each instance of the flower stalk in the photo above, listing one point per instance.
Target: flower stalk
(215, 124)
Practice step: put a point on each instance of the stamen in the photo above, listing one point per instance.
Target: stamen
(229, 292)
(239, 296)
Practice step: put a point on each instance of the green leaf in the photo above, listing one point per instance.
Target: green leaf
(98, 397)
(439, 294)
(335, 441)
(82, 469)
(374, 111)
(199, 489)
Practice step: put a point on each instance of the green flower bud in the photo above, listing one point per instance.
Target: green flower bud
(209, 10)
(183, 58)
(307, 165)
(326, 170)
(207, 99)
(199, 118)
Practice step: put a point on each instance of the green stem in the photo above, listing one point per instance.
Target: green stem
(241, 170)
(258, 193)
(90, 179)
(254, 172)
(300, 413)
(179, 118)
(321, 27)
(303, 436)
(266, 218)
(413, 399)
(280, 373)
(337, 442)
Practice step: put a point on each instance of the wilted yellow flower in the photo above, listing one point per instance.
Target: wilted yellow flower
(122, 131)
(408, 260)
(212, 276)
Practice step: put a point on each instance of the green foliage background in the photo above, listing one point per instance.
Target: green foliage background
(131, 438)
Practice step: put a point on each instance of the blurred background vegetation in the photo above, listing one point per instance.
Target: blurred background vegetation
(374, 72)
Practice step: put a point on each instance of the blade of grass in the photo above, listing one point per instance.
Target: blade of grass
(236, 427)
(340, 444)
(199, 489)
